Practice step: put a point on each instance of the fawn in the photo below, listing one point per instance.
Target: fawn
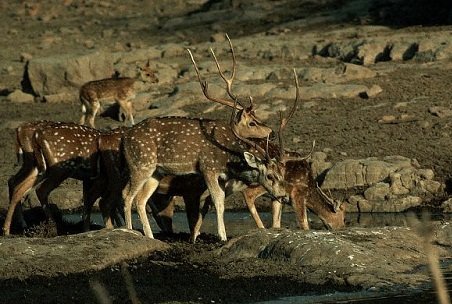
(122, 90)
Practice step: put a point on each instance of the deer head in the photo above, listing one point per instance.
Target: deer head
(245, 122)
(146, 74)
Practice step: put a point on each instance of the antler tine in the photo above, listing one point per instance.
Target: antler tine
(334, 203)
(228, 81)
(204, 85)
(280, 138)
(297, 97)
(285, 120)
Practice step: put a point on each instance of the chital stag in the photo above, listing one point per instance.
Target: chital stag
(300, 185)
(159, 147)
(122, 90)
(191, 187)
(60, 151)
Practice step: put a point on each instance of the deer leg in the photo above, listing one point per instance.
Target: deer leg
(52, 180)
(141, 199)
(218, 195)
(17, 194)
(162, 206)
(130, 191)
(276, 214)
(298, 199)
(250, 194)
(92, 112)
(127, 108)
(84, 110)
(194, 217)
(205, 201)
(92, 190)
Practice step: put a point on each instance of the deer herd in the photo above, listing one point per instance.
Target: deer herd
(157, 159)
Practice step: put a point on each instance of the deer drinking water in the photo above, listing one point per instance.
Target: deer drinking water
(58, 151)
(158, 147)
(122, 90)
(300, 185)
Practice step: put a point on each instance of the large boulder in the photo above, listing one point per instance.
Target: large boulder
(391, 184)
(376, 258)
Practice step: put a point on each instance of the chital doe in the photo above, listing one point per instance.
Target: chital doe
(122, 90)
(60, 151)
(159, 147)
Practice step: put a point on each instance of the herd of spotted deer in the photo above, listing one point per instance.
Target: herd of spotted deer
(157, 159)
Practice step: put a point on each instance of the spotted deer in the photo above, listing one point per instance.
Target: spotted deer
(58, 151)
(157, 147)
(192, 187)
(300, 185)
(122, 90)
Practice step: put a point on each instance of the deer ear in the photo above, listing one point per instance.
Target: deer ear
(252, 160)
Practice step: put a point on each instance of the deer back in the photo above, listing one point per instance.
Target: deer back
(180, 146)
(67, 146)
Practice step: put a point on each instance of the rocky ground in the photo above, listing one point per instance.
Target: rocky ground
(375, 79)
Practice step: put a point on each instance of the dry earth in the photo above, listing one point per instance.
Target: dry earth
(376, 81)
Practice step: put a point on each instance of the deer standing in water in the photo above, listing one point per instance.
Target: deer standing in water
(122, 90)
(158, 147)
(52, 152)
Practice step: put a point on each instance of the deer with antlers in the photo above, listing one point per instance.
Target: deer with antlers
(158, 147)
(122, 90)
(300, 185)
(52, 152)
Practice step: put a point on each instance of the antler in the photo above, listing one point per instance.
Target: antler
(336, 204)
(285, 120)
(234, 103)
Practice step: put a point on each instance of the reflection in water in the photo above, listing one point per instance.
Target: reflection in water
(240, 222)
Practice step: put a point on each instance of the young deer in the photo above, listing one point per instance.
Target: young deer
(122, 90)
(60, 151)
(158, 147)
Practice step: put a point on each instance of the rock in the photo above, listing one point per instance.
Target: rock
(441, 112)
(24, 57)
(66, 73)
(374, 90)
(377, 192)
(446, 206)
(361, 257)
(173, 50)
(393, 184)
(357, 203)
(61, 98)
(344, 72)
(90, 251)
(20, 97)
(89, 44)
(217, 37)
(319, 165)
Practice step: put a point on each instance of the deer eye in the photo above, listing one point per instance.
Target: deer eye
(252, 124)
(270, 177)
